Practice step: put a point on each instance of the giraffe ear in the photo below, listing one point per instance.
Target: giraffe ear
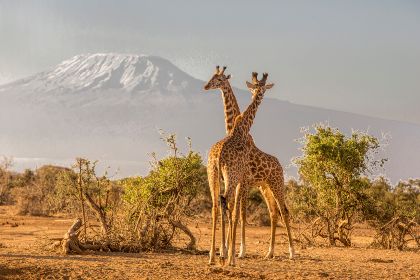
(249, 85)
(228, 77)
(269, 86)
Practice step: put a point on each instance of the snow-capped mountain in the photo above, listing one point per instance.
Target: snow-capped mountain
(96, 72)
(110, 106)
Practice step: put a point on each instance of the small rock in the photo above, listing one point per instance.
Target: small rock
(323, 274)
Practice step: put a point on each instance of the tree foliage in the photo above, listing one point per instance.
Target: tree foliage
(158, 204)
(36, 192)
(394, 213)
(331, 168)
(5, 180)
(96, 191)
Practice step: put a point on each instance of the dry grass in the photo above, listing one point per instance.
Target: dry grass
(21, 257)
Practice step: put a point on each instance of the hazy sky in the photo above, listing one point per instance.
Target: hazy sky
(356, 56)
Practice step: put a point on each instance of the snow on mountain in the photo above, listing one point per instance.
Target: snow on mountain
(110, 106)
(96, 72)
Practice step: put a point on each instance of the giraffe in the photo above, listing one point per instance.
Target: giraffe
(236, 163)
(231, 110)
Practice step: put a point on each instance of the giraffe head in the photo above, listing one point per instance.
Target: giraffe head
(258, 86)
(243, 122)
(218, 80)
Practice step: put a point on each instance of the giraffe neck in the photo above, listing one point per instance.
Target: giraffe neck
(230, 106)
(244, 125)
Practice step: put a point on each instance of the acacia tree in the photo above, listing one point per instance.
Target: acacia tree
(98, 192)
(5, 179)
(394, 212)
(403, 227)
(331, 167)
(159, 203)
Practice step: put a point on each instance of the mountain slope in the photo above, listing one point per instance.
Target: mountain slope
(95, 72)
(110, 107)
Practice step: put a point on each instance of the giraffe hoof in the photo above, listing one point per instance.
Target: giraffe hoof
(291, 253)
(231, 261)
(242, 252)
(269, 256)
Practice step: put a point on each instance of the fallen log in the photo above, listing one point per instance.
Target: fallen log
(71, 241)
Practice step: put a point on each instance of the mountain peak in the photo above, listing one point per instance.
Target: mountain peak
(109, 71)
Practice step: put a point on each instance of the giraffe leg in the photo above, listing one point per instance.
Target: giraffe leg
(224, 241)
(212, 252)
(279, 196)
(214, 185)
(227, 236)
(224, 202)
(274, 215)
(234, 223)
(286, 219)
(243, 205)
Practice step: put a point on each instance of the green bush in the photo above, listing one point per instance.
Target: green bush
(394, 213)
(6, 180)
(158, 204)
(36, 192)
(98, 192)
(331, 170)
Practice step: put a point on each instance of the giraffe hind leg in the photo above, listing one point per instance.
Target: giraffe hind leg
(244, 199)
(278, 191)
(274, 215)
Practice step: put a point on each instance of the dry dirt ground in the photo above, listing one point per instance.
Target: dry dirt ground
(21, 258)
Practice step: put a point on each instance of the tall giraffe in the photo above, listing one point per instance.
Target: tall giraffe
(237, 162)
(231, 110)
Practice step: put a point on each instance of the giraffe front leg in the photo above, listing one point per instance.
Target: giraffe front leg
(243, 206)
(215, 191)
(223, 241)
(212, 252)
(234, 223)
(227, 240)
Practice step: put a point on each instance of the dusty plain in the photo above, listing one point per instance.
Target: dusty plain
(22, 257)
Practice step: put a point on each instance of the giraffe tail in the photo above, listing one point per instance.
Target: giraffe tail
(223, 203)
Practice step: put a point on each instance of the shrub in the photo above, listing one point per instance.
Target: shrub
(98, 192)
(394, 213)
(36, 193)
(6, 180)
(331, 170)
(257, 208)
(158, 204)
